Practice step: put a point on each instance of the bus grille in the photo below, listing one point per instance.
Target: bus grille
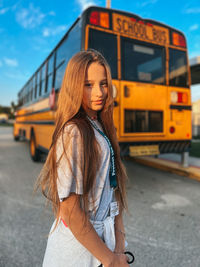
(143, 121)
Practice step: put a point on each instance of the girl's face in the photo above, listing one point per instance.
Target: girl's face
(95, 89)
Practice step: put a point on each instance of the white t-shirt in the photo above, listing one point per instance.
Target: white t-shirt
(70, 177)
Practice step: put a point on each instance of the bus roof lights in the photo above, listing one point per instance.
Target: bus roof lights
(133, 19)
(94, 18)
(178, 40)
(100, 19)
(141, 21)
(104, 20)
(149, 24)
(182, 41)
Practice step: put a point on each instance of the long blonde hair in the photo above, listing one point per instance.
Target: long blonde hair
(70, 111)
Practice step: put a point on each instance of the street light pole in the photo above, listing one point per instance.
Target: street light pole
(108, 4)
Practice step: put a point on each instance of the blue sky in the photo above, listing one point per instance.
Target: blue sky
(29, 30)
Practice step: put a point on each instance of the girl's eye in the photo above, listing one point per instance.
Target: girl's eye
(88, 84)
(105, 84)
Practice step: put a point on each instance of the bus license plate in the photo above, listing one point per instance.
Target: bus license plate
(143, 150)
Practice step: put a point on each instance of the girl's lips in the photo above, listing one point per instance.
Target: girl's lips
(98, 102)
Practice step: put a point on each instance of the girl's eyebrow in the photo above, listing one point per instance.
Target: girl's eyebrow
(104, 80)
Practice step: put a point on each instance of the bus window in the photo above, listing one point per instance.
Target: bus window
(43, 78)
(38, 84)
(178, 68)
(31, 89)
(51, 64)
(50, 69)
(35, 95)
(106, 44)
(59, 76)
(142, 62)
(69, 46)
(141, 121)
(39, 81)
(49, 82)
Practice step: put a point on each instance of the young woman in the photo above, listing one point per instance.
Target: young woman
(83, 175)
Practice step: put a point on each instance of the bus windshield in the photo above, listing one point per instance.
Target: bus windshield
(142, 62)
(105, 43)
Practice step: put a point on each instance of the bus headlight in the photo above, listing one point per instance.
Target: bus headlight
(174, 97)
(114, 91)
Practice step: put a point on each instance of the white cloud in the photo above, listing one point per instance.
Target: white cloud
(85, 3)
(17, 76)
(194, 27)
(15, 5)
(4, 10)
(30, 17)
(192, 10)
(11, 62)
(54, 31)
(52, 13)
(148, 2)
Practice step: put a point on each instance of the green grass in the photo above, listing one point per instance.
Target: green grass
(195, 149)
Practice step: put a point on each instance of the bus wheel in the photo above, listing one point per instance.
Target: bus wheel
(16, 138)
(34, 151)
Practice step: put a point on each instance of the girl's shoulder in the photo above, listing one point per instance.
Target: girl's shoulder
(70, 136)
(71, 129)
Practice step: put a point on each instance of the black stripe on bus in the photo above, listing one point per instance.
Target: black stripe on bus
(34, 112)
(36, 122)
(180, 107)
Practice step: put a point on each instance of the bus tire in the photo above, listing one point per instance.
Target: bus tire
(34, 151)
(16, 138)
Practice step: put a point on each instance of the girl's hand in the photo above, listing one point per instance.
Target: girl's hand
(119, 260)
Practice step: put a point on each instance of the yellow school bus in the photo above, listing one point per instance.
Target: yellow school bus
(151, 81)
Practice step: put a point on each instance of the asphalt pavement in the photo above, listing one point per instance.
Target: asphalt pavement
(162, 226)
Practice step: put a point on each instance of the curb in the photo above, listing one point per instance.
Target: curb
(170, 166)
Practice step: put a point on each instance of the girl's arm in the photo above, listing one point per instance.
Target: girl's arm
(119, 234)
(82, 229)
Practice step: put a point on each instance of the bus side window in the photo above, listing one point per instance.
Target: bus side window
(50, 69)
(70, 45)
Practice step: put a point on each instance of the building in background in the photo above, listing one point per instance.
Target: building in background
(195, 79)
(3, 117)
(196, 118)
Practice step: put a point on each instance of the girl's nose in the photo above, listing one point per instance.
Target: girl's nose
(99, 90)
